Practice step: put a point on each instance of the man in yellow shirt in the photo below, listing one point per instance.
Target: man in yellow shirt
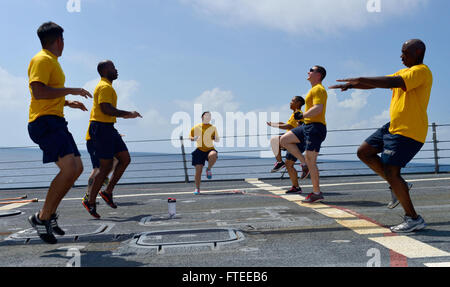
(95, 164)
(48, 128)
(314, 132)
(296, 104)
(205, 134)
(402, 138)
(106, 140)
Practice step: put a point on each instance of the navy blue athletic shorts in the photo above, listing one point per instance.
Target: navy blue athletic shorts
(53, 137)
(106, 140)
(396, 150)
(301, 147)
(200, 157)
(94, 160)
(312, 135)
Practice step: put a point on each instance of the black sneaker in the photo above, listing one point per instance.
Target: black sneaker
(43, 228)
(277, 166)
(108, 199)
(92, 209)
(55, 227)
(294, 189)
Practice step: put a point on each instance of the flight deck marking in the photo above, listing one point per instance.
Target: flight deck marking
(402, 246)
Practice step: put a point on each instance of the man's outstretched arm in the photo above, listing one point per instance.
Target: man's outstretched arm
(371, 83)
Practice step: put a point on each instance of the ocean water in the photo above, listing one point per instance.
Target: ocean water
(23, 168)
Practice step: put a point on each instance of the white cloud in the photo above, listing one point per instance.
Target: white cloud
(301, 16)
(343, 112)
(14, 103)
(14, 91)
(374, 122)
(357, 101)
(382, 118)
(81, 58)
(215, 100)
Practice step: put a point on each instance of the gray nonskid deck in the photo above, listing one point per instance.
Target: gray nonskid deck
(233, 223)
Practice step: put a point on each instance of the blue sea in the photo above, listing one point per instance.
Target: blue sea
(23, 168)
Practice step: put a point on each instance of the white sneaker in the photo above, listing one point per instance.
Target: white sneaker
(409, 225)
(394, 201)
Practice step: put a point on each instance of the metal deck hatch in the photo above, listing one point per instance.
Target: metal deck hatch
(186, 237)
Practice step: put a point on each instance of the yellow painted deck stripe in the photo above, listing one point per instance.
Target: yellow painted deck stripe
(334, 213)
(438, 264)
(362, 226)
(404, 245)
(409, 247)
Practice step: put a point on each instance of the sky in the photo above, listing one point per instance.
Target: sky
(246, 57)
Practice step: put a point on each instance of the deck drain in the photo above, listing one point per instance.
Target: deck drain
(188, 238)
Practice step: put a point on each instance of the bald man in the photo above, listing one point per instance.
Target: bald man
(107, 143)
(402, 138)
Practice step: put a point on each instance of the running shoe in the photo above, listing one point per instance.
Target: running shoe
(409, 225)
(305, 171)
(54, 224)
(108, 198)
(294, 189)
(277, 166)
(394, 201)
(197, 191)
(312, 197)
(85, 197)
(43, 228)
(106, 181)
(92, 209)
(208, 173)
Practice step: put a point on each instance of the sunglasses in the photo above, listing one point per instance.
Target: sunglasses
(313, 70)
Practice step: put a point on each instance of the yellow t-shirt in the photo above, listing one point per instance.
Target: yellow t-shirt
(45, 68)
(316, 96)
(292, 121)
(103, 93)
(88, 136)
(207, 133)
(409, 108)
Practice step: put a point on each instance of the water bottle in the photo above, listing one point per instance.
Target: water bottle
(172, 202)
